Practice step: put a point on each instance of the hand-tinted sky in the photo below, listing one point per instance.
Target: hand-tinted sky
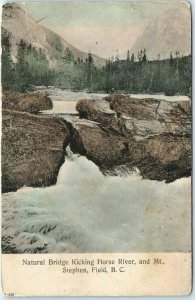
(104, 28)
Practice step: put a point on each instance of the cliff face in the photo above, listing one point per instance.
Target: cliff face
(151, 135)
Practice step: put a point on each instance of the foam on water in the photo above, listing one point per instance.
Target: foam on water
(89, 212)
(161, 97)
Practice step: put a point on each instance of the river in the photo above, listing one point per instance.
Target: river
(89, 212)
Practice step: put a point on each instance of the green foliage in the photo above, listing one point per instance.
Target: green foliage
(170, 76)
(31, 68)
(77, 75)
(7, 64)
(68, 56)
(54, 41)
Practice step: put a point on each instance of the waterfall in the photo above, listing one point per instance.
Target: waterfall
(89, 212)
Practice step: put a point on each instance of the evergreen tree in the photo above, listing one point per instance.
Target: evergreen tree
(68, 56)
(22, 69)
(6, 60)
(89, 69)
(144, 58)
(171, 59)
(132, 57)
(139, 56)
(170, 88)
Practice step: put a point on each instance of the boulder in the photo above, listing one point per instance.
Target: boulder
(140, 118)
(140, 109)
(164, 157)
(149, 134)
(33, 149)
(27, 102)
(161, 157)
(104, 147)
(97, 111)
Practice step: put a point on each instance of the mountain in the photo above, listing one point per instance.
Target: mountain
(170, 32)
(20, 25)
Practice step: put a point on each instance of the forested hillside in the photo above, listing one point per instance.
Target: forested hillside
(136, 74)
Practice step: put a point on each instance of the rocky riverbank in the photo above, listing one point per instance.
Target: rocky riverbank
(151, 135)
(33, 146)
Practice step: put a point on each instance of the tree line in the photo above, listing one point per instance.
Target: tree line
(135, 74)
(170, 76)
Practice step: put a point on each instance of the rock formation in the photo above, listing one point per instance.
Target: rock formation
(140, 118)
(151, 135)
(33, 146)
(33, 149)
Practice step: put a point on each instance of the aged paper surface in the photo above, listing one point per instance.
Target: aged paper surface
(96, 148)
(170, 277)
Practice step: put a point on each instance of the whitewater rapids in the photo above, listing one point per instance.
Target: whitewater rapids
(89, 212)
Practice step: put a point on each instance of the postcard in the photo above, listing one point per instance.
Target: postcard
(96, 148)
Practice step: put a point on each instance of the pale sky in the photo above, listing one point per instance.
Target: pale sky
(104, 28)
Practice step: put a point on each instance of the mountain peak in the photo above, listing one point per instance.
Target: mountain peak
(169, 32)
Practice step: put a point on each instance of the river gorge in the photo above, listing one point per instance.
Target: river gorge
(98, 206)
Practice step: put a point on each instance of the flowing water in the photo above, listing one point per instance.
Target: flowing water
(64, 102)
(89, 212)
